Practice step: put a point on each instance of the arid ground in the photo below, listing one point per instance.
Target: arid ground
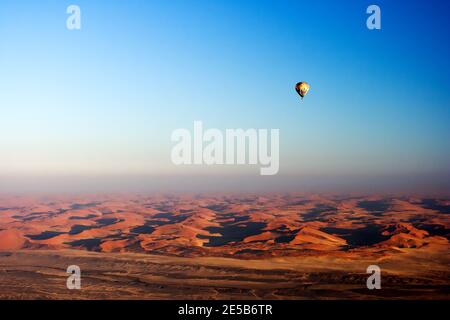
(224, 246)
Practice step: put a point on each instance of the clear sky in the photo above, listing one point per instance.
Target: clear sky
(104, 100)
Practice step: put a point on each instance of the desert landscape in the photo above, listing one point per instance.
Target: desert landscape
(224, 246)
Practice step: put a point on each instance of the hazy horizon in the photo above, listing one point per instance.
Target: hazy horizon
(432, 185)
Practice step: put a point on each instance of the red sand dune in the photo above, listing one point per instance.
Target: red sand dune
(270, 246)
(248, 225)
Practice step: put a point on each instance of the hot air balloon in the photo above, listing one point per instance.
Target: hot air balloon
(302, 88)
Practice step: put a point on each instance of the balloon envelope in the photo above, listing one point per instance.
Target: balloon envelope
(302, 88)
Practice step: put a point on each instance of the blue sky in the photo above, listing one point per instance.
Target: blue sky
(105, 99)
